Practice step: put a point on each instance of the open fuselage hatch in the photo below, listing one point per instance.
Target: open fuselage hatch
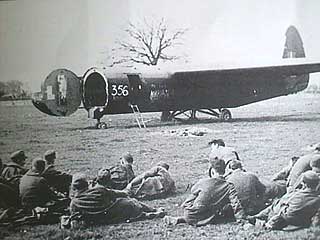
(95, 89)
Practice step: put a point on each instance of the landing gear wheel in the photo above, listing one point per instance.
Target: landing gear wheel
(225, 115)
(101, 125)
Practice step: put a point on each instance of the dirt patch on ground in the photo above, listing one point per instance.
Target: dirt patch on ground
(266, 135)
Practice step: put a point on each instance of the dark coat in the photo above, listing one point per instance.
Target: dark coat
(102, 205)
(301, 166)
(250, 190)
(58, 180)
(35, 191)
(208, 199)
(296, 208)
(154, 183)
(9, 196)
(121, 175)
(13, 172)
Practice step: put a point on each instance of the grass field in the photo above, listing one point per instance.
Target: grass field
(265, 134)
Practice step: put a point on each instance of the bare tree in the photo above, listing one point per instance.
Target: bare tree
(147, 44)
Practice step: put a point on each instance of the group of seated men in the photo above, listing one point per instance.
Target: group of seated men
(114, 191)
(232, 193)
(113, 196)
(40, 186)
(29, 187)
(228, 193)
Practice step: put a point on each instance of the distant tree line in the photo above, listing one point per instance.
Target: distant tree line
(12, 90)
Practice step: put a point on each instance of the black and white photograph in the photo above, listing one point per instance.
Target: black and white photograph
(145, 119)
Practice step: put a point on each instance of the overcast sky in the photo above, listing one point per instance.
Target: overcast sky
(37, 36)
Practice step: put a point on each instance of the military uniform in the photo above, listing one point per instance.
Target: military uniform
(12, 170)
(301, 166)
(121, 175)
(250, 190)
(101, 205)
(9, 196)
(154, 183)
(296, 208)
(225, 153)
(58, 180)
(210, 200)
(278, 186)
(34, 190)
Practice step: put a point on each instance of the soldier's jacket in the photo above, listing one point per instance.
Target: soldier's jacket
(121, 175)
(283, 174)
(207, 200)
(301, 207)
(296, 208)
(249, 189)
(302, 165)
(57, 180)
(9, 196)
(103, 205)
(12, 170)
(154, 183)
(35, 191)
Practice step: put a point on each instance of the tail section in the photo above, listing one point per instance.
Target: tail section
(293, 48)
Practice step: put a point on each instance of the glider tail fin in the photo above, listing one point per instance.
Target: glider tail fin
(294, 46)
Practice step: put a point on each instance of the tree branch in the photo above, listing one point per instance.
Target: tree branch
(147, 44)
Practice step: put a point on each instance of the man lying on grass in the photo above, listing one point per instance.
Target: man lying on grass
(101, 205)
(153, 183)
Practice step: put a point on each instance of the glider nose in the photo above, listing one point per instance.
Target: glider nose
(60, 94)
(41, 105)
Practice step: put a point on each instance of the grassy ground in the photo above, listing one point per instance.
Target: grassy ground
(266, 135)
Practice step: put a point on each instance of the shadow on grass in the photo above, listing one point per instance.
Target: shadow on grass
(309, 117)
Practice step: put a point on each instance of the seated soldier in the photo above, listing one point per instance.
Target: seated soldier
(9, 195)
(277, 187)
(250, 190)
(34, 189)
(123, 173)
(14, 170)
(211, 200)
(154, 183)
(296, 208)
(215, 143)
(59, 181)
(219, 149)
(100, 205)
(315, 167)
(284, 173)
(302, 165)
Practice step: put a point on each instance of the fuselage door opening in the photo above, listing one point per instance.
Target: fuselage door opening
(95, 89)
(139, 94)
